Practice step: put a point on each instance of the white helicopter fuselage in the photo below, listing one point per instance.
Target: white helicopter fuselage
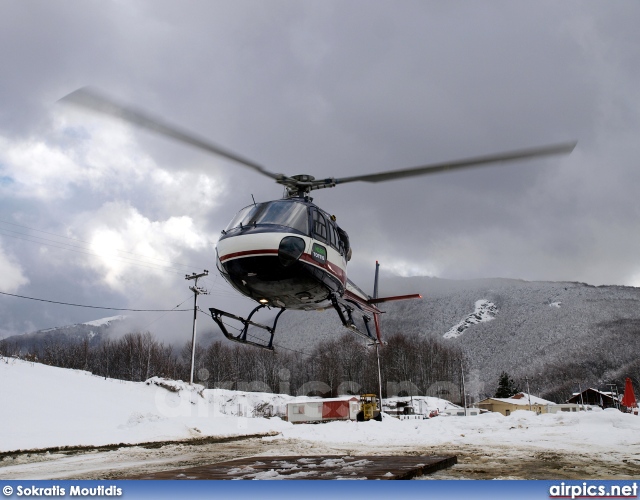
(286, 253)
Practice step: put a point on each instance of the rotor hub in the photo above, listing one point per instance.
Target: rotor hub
(303, 178)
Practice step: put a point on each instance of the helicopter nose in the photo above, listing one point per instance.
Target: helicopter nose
(260, 244)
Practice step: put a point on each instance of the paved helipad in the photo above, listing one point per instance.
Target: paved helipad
(313, 467)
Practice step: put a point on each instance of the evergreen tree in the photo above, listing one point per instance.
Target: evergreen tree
(506, 386)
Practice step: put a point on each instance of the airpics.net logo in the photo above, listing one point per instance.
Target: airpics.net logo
(586, 490)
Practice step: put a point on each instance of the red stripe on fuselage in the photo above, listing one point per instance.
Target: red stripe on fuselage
(247, 253)
(330, 268)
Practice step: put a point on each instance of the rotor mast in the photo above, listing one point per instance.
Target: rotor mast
(299, 186)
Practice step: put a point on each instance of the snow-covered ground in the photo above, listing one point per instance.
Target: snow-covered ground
(45, 407)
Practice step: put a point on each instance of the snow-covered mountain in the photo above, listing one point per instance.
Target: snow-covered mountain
(557, 334)
(93, 331)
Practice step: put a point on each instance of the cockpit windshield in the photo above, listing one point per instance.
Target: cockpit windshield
(283, 213)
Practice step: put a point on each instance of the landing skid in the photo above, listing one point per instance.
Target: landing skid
(344, 308)
(217, 315)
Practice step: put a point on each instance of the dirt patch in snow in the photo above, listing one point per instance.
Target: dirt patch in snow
(517, 463)
(473, 462)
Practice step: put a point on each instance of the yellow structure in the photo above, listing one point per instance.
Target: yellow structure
(369, 408)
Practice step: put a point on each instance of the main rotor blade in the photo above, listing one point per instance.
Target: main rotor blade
(94, 101)
(522, 154)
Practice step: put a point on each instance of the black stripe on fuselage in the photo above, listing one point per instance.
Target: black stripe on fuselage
(298, 286)
(258, 229)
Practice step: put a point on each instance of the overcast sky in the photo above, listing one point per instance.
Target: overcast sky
(93, 211)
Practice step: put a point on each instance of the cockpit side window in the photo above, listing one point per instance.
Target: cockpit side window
(333, 236)
(326, 230)
(319, 225)
(344, 243)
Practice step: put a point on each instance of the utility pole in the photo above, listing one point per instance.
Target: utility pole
(196, 291)
(528, 391)
(615, 395)
(464, 389)
(377, 342)
(379, 375)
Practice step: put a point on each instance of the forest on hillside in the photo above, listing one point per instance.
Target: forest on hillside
(344, 365)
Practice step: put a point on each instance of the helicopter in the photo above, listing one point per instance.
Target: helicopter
(290, 253)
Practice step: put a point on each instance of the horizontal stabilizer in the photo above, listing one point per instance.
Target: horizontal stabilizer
(397, 297)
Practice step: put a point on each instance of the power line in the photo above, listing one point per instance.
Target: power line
(123, 259)
(41, 231)
(147, 262)
(147, 310)
(84, 241)
(221, 289)
(163, 315)
(94, 307)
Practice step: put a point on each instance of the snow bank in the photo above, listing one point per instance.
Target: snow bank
(43, 407)
(601, 431)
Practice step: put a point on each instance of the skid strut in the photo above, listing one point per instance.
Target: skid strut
(217, 315)
(346, 316)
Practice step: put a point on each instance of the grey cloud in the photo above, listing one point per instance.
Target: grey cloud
(335, 88)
